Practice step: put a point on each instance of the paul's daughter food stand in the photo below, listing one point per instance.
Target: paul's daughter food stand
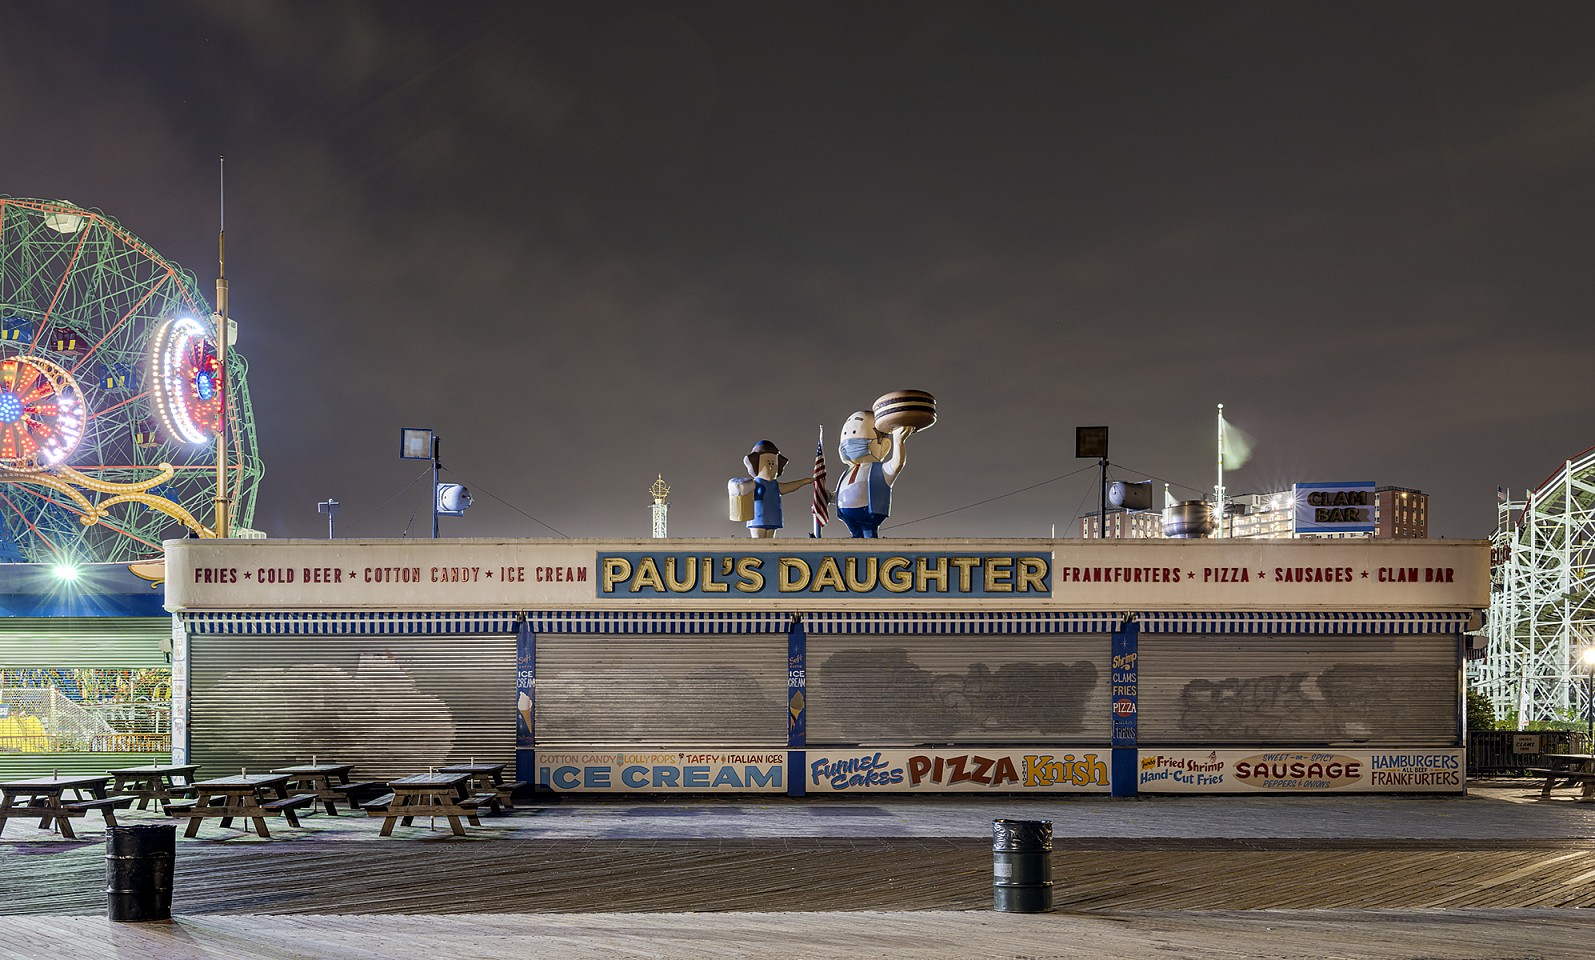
(1205, 666)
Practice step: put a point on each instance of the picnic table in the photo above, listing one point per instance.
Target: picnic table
(429, 795)
(329, 782)
(42, 797)
(1566, 770)
(253, 797)
(154, 782)
(488, 778)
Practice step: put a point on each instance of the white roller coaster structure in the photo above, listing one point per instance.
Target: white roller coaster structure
(1542, 599)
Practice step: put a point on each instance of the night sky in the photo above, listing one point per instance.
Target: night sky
(592, 243)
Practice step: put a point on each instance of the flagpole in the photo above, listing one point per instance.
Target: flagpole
(1218, 511)
(814, 515)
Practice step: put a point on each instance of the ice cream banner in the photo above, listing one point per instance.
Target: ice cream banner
(663, 771)
(1330, 769)
(1053, 769)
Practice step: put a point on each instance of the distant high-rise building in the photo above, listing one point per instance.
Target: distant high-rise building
(1124, 525)
(1399, 513)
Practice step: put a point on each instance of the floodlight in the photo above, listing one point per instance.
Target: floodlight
(415, 443)
(65, 571)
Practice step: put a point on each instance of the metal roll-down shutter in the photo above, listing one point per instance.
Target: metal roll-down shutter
(625, 690)
(391, 705)
(1298, 689)
(957, 688)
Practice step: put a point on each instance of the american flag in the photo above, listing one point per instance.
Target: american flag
(822, 496)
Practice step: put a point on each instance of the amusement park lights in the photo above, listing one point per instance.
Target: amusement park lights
(65, 571)
(42, 416)
(185, 373)
(112, 395)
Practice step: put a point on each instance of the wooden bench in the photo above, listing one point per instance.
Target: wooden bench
(360, 792)
(180, 807)
(506, 793)
(1564, 777)
(287, 805)
(106, 805)
(429, 795)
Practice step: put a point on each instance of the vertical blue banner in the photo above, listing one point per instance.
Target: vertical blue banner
(525, 702)
(796, 706)
(1124, 676)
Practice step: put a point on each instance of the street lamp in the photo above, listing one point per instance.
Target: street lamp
(448, 499)
(1589, 696)
(330, 508)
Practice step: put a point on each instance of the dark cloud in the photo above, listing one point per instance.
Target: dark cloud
(592, 243)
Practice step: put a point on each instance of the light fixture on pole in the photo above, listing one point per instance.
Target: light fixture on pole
(448, 499)
(1092, 442)
(330, 508)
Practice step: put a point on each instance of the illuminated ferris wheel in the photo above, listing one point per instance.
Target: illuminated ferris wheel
(111, 393)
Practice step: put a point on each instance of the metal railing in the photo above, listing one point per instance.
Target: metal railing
(43, 720)
(1498, 753)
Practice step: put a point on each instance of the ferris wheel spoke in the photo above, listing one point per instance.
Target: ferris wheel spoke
(31, 525)
(137, 396)
(44, 321)
(159, 282)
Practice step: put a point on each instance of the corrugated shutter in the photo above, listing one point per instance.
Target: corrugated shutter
(957, 689)
(390, 705)
(1340, 690)
(104, 642)
(666, 690)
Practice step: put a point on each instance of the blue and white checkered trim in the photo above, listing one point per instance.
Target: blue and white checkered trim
(953, 622)
(1325, 623)
(358, 624)
(382, 623)
(658, 622)
(477, 623)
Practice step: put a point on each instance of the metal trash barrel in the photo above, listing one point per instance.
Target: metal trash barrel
(138, 872)
(1022, 865)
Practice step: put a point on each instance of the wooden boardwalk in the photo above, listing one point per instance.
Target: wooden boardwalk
(353, 877)
(922, 935)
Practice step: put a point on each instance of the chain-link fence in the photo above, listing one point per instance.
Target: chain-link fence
(85, 710)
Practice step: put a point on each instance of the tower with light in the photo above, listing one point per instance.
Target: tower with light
(660, 491)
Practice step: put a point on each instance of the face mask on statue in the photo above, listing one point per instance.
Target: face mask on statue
(855, 448)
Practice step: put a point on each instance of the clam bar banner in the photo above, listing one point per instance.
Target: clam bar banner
(243, 575)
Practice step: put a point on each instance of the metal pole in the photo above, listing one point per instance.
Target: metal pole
(1102, 490)
(1218, 492)
(1589, 708)
(224, 520)
(434, 486)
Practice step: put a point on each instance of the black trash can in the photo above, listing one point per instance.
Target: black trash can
(138, 872)
(1021, 853)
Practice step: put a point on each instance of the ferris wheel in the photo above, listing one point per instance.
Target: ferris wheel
(112, 393)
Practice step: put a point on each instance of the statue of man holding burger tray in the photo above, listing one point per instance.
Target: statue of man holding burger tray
(875, 459)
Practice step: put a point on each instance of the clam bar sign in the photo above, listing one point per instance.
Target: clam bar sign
(1334, 507)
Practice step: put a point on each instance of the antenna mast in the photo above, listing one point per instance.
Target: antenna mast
(1218, 491)
(223, 501)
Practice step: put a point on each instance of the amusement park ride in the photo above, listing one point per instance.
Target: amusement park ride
(1542, 601)
(124, 418)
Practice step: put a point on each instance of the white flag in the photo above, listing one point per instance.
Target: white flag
(1237, 446)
